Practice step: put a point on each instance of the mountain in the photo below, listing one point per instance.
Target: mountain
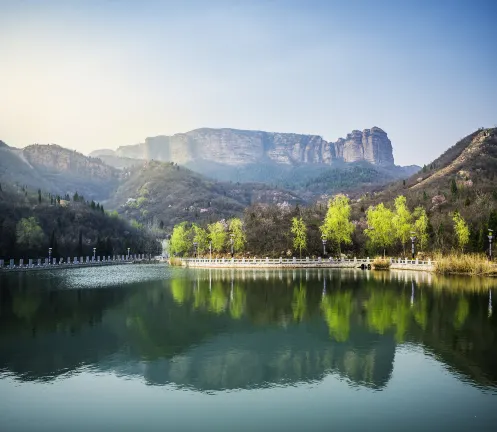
(58, 170)
(242, 155)
(169, 193)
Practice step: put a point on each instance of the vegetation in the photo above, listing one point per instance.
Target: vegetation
(337, 226)
(299, 232)
(381, 264)
(31, 221)
(474, 264)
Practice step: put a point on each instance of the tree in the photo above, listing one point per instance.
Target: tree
(200, 237)
(337, 226)
(381, 231)
(53, 245)
(29, 234)
(299, 231)
(453, 187)
(402, 221)
(421, 226)
(39, 196)
(80, 244)
(217, 235)
(180, 239)
(75, 197)
(236, 229)
(461, 229)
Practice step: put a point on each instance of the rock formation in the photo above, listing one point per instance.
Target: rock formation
(234, 147)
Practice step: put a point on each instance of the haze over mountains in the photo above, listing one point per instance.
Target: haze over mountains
(241, 155)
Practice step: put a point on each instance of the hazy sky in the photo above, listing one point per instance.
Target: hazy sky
(99, 74)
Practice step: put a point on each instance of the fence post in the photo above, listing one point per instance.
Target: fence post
(21, 262)
(39, 262)
(11, 263)
(1, 263)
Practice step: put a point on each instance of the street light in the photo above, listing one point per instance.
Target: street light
(490, 238)
(94, 252)
(413, 239)
(195, 244)
(324, 245)
(49, 256)
(232, 242)
(128, 252)
(210, 250)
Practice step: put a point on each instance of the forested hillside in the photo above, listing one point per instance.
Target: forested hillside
(167, 194)
(32, 221)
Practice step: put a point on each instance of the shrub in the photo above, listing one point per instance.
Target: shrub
(381, 264)
(473, 264)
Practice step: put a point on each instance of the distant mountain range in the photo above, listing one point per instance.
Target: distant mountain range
(241, 155)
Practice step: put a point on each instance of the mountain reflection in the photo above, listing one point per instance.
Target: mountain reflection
(220, 329)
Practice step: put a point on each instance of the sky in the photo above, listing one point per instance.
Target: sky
(100, 74)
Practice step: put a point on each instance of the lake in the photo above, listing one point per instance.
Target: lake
(153, 348)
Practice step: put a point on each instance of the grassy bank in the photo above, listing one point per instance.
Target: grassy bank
(471, 264)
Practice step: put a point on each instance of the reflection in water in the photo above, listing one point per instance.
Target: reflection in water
(226, 329)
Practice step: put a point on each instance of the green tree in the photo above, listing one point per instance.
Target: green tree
(200, 237)
(236, 229)
(461, 229)
(217, 235)
(381, 231)
(402, 221)
(453, 187)
(39, 196)
(421, 226)
(29, 234)
(337, 226)
(299, 231)
(180, 242)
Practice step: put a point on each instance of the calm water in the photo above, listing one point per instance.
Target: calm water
(151, 348)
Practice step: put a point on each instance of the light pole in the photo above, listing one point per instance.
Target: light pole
(324, 245)
(413, 239)
(49, 256)
(195, 244)
(128, 252)
(232, 242)
(94, 253)
(490, 238)
(210, 250)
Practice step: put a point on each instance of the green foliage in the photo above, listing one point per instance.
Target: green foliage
(236, 229)
(299, 231)
(337, 226)
(461, 229)
(381, 230)
(402, 221)
(217, 235)
(29, 233)
(201, 237)
(421, 226)
(180, 243)
(453, 187)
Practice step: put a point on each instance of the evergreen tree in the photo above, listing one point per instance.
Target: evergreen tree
(453, 187)
(39, 196)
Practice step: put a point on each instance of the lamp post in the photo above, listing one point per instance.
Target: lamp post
(324, 245)
(49, 256)
(210, 250)
(490, 238)
(413, 239)
(195, 244)
(94, 253)
(128, 252)
(232, 243)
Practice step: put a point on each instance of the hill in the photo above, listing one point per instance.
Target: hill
(58, 170)
(169, 193)
(31, 223)
(463, 179)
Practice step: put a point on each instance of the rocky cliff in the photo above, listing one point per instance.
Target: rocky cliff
(232, 147)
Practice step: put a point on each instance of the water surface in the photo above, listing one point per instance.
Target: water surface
(146, 347)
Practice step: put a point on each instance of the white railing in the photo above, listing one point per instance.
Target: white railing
(12, 264)
(294, 261)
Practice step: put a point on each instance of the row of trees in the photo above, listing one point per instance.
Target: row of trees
(216, 237)
(382, 227)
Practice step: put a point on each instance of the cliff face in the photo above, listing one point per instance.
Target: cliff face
(238, 147)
